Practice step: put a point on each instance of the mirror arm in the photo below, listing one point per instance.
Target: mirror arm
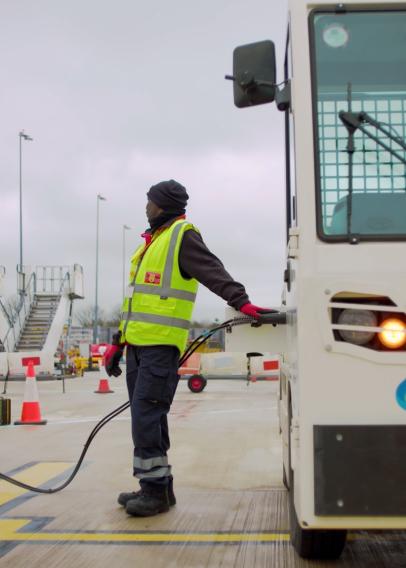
(250, 83)
(283, 96)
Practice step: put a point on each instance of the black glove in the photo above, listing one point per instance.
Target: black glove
(112, 356)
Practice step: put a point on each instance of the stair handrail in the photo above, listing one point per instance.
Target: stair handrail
(7, 316)
(62, 285)
(6, 312)
(21, 313)
(51, 278)
(58, 294)
(65, 280)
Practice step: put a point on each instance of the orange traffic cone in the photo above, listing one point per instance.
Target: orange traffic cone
(104, 387)
(30, 413)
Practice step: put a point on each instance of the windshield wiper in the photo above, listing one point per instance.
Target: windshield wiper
(354, 121)
(350, 150)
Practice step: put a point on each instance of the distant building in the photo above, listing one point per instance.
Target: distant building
(79, 334)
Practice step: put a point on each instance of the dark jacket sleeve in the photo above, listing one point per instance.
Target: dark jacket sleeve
(197, 261)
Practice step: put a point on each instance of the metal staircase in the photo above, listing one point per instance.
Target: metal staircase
(38, 322)
(34, 330)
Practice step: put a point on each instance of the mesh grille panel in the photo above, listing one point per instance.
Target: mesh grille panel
(375, 170)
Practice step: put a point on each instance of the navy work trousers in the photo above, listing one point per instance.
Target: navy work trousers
(152, 378)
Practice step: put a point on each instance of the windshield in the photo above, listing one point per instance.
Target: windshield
(359, 90)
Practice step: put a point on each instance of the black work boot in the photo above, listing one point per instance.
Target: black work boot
(123, 498)
(149, 501)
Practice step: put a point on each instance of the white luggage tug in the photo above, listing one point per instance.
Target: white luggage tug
(343, 379)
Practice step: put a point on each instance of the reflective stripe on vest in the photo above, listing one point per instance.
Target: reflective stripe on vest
(159, 313)
(153, 318)
(163, 292)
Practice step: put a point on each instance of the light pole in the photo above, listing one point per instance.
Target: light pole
(22, 136)
(95, 325)
(125, 228)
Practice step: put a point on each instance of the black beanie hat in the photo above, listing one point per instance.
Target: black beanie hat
(169, 196)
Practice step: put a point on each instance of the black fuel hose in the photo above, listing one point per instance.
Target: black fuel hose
(93, 433)
(272, 317)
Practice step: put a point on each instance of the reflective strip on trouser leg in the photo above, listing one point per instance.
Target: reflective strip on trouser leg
(151, 467)
(149, 463)
(155, 473)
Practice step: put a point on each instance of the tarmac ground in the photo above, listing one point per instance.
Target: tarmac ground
(226, 455)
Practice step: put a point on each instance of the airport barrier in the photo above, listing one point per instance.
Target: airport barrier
(232, 364)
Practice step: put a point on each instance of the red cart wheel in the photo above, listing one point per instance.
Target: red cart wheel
(196, 383)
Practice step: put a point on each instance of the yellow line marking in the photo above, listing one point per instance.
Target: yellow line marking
(34, 475)
(9, 532)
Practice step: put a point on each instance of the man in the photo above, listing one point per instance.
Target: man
(157, 310)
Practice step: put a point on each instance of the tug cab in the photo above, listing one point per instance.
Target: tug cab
(342, 399)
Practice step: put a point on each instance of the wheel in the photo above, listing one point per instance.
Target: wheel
(312, 543)
(196, 383)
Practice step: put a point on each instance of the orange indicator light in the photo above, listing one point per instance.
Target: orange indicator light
(393, 335)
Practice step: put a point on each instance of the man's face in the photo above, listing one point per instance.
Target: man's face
(152, 210)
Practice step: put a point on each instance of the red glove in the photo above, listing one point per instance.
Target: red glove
(112, 357)
(255, 311)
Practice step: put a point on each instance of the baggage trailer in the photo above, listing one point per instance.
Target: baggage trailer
(343, 378)
(250, 367)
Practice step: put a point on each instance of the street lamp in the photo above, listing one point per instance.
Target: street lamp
(125, 228)
(95, 326)
(22, 136)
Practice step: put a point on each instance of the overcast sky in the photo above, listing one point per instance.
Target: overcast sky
(119, 95)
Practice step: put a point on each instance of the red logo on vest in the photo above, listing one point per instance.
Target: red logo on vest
(152, 278)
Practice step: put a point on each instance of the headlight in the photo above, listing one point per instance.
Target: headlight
(359, 318)
(393, 335)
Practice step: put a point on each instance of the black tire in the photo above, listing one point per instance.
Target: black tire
(196, 383)
(312, 543)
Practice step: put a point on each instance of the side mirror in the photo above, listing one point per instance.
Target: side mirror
(254, 74)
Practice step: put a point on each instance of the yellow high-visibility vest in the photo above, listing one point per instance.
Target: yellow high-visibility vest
(159, 301)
